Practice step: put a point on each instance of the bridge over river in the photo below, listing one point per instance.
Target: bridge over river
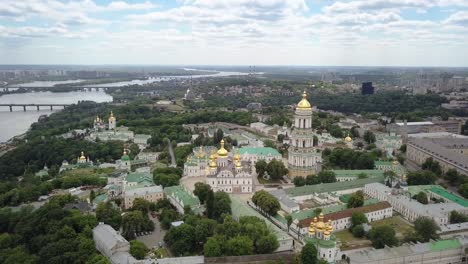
(37, 106)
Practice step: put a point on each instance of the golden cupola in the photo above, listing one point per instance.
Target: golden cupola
(320, 225)
(348, 138)
(304, 103)
(112, 117)
(82, 157)
(312, 226)
(222, 152)
(213, 164)
(395, 162)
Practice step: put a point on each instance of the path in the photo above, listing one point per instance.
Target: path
(171, 152)
(152, 240)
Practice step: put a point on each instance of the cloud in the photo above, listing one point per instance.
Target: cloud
(121, 5)
(458, 18)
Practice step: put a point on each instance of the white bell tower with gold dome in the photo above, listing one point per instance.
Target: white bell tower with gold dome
(112, 121)
(303, 159)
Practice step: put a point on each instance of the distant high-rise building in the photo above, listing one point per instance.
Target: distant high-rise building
(367, 88)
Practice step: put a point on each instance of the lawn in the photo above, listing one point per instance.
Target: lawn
(348, 241)
(399, 224)
(161, 253)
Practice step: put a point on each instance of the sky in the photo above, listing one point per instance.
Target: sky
(235, 32)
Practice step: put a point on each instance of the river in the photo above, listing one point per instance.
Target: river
(18, 121)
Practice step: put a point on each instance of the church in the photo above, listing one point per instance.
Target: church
(303, 158)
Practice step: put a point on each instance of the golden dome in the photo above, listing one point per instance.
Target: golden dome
(326, 233)
(237, 156)
(213, 164)
(321, 225)
(82, 157)
(304, 103)
(112, 117)
(311, 231)
(348, 138)
(395, 162)
(222, 152)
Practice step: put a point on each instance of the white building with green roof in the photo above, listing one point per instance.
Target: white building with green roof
(254, 154)
(180, 197)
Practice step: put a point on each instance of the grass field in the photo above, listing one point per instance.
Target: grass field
(399, 224)
(348, 241)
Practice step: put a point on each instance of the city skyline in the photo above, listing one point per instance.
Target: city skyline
(240, 32)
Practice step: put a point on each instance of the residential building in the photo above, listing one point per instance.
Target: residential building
(150, 193)
(180, 198)
(450, 153)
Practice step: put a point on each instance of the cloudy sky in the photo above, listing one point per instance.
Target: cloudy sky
(224, 32)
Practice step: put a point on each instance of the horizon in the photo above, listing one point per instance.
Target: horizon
(354, 33)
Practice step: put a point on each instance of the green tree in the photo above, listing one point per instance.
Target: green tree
(289, 220)
(432, 165)
(201, 191)
(92, 195)
(463, 190)
(421, 178)
(266, 244)
(309, 254)
(212, 248)
(276, 169)
(135, 222)
(261, 167)
(106, 213)
(166, 180)
(326, 176)
(383, 235)
(358, 231)
(218, 136)
(452, 177)
(369, 137)
(138, 249)
(421, 197)
(269, 144)
(142, 205)
(299, 181)
(266, 202)
(456, 217)
(426, 229)
(238, 246)
(181, 240)
(390, 176)
(356, 200)
(358, 218)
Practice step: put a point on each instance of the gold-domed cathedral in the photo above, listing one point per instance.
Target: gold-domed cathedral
(321, 235)
(303, 158)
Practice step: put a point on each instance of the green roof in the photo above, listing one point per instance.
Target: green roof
(125, 157)
(332, 187)
(260, 151)
(355, 173)
(139, 177)
(42, 173)
(445, 244)
(182, 195)
(331, 243)
(450, 196)
(415, 189)
(309, 213)
(100, 198)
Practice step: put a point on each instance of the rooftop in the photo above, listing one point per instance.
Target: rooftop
(332, 187)
(449, 196)
(181, 194)
(355, 173)
(144, 190)
(260, 151)
(139, 177)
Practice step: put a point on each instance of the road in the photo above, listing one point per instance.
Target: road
(152, 240)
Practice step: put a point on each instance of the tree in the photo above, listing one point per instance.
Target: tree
(238, 246)
(421, 178)
(266, 244)
(358, 218)
(452, 177)
(138, 249)
(426, 229)
(403, 148)
(181, 240)
(266, 202)
(390, 176)
(421, 197)
(142, 205)
(309, 254)
(209, 212)
(356, 200)
(217, 205)
(106, 213)
(92, 195)
(358, 231)
(463, 190)
(289, 220)
(383, 235)
(369, 137)
(218, 136)
(260, 167)
(456, 217)
(269, 144)
(212, 248)
(326, 176)
(166, 180)
(276, 169)
(201, 191)
(135, 222)
(432, 165)
(299, 181)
